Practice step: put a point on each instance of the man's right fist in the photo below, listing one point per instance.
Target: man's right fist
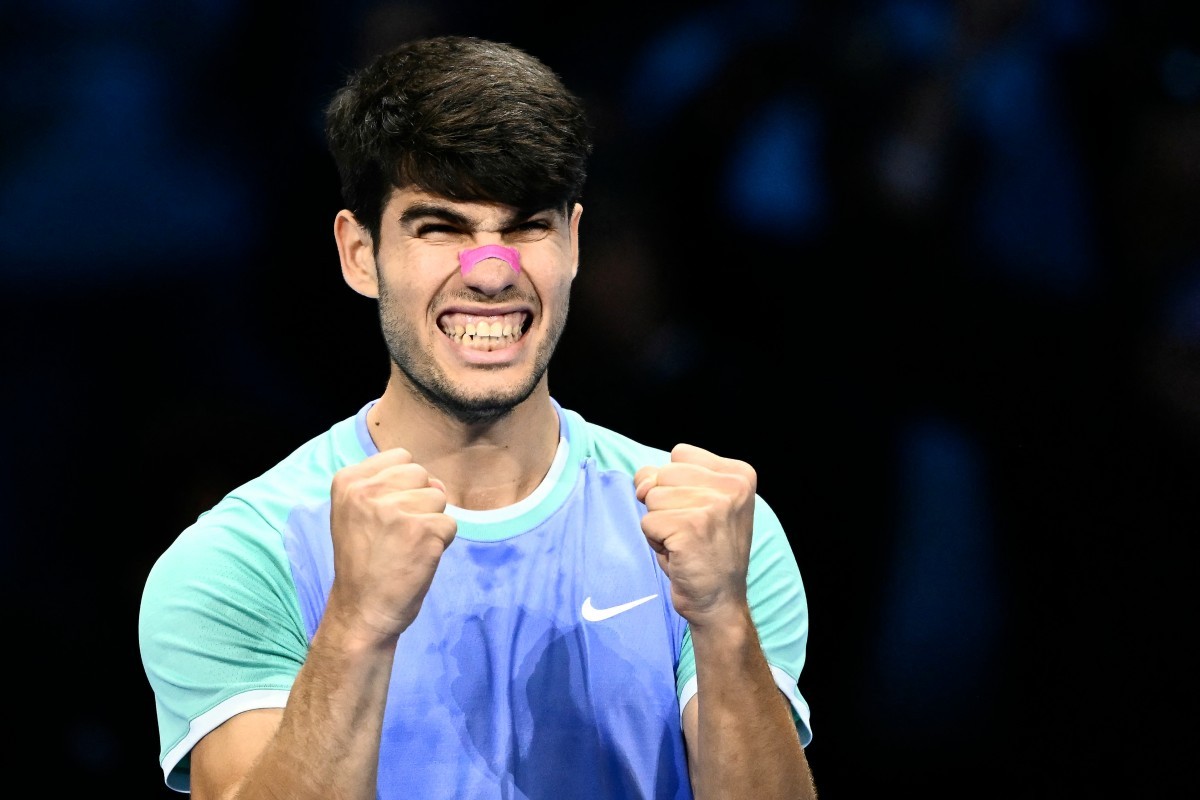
(390, 527)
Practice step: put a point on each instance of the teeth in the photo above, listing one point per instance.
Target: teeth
(485, 334)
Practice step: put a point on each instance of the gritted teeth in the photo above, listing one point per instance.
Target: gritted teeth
(486, 332)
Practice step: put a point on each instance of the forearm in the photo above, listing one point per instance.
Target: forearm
(327, 743)
(747, 744)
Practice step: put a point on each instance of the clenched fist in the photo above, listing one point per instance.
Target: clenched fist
(390, 528)
(699, 520)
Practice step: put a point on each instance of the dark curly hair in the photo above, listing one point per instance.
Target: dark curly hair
(461, 117)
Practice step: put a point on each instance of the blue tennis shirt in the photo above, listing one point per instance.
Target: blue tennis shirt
(546, 662)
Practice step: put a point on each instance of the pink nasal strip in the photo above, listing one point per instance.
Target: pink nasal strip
(467, 259)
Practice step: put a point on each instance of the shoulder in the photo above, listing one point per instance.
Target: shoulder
(610, 449)
(242, 533)
(303, 476)
(300, 479)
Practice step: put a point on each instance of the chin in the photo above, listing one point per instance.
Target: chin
(481, 407)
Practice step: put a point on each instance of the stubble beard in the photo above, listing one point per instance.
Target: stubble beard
(429, 383)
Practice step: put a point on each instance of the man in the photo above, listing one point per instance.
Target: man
(466, 590)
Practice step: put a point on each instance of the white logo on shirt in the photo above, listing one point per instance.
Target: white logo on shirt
(593, 614)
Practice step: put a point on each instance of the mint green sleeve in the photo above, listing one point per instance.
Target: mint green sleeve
(779, 608)
(219, 628)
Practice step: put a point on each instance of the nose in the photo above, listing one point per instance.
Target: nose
(467, 259)
(490, 268)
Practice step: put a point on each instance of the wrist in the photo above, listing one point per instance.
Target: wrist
(730, 623)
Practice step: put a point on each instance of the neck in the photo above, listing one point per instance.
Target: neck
(484, 465)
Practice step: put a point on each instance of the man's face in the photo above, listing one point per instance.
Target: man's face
(476, 340)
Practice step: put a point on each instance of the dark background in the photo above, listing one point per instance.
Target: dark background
(932, 267)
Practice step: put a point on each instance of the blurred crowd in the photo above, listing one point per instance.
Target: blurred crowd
(931, 266)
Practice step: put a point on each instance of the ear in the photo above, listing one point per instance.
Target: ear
(357, 253)
(576, 213)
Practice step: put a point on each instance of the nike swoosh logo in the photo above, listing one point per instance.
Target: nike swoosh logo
(593, 614)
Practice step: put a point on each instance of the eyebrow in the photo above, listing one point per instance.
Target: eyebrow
(420, 210)
(423, 210)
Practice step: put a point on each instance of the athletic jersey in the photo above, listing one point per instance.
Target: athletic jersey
(547, 660)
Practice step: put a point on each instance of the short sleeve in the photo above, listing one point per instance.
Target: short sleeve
(779, 608)
(219, 629)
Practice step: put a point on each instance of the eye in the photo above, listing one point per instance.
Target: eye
(530, 229)
(436, 230)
